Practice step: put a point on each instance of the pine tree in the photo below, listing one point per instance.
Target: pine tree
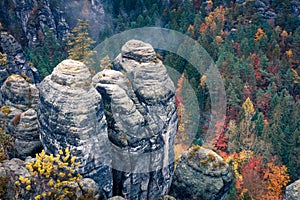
(80, 43)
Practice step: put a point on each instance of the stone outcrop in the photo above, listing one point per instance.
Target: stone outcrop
(292, 191)
(201, 174)
(71, 114)
(33, 17)
(16, 61)
(142, 121)
(18, 99)
(18, 92)
(24, 129)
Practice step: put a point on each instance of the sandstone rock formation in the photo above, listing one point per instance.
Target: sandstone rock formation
(292, 191)
(71, 114)
(16, 61)
(18, 99)
(142, 121)
(24, 129)
(18, 92)
(201, 174)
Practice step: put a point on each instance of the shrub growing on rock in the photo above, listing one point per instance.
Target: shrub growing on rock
(53, 177)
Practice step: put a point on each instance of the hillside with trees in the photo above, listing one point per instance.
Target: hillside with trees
(256, 47)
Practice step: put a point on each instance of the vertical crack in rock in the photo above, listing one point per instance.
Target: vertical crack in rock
(71, 114)
(142, 121)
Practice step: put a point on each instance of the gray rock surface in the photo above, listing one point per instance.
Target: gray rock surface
(71, 114)
(116, 198)
(17, 63)
(142, 121)
(201, 174)
(292, 191)
(18, 99)
(10, 171)
(33, 17)
(16, 91)
(24, 129)
(89, 186)
(167, 197)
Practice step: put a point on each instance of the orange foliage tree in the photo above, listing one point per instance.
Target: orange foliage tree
(215, 21)
(277, 178)
(259, 34)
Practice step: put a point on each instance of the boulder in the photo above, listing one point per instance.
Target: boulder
(201, 174)
(89, 189)
(139, 99)
(292, 191)
(71, 113)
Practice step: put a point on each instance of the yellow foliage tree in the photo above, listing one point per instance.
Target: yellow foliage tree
(215, 20)
(53, 175)
(80, 43)
(248, 107)
(3, 60)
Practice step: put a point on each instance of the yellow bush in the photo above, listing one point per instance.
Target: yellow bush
(52, 176)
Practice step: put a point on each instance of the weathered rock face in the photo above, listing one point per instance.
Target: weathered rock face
(142, 121)
(18, 92)
(24, 129)
(201, 174)
(71, 114)
(292, 191)
(33, 17)
(17, 63)
(18, 99)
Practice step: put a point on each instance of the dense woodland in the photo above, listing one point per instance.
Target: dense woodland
(259, 61)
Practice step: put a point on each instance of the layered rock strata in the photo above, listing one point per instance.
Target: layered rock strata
(71, 114)
(18, 99)
(142, 121)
